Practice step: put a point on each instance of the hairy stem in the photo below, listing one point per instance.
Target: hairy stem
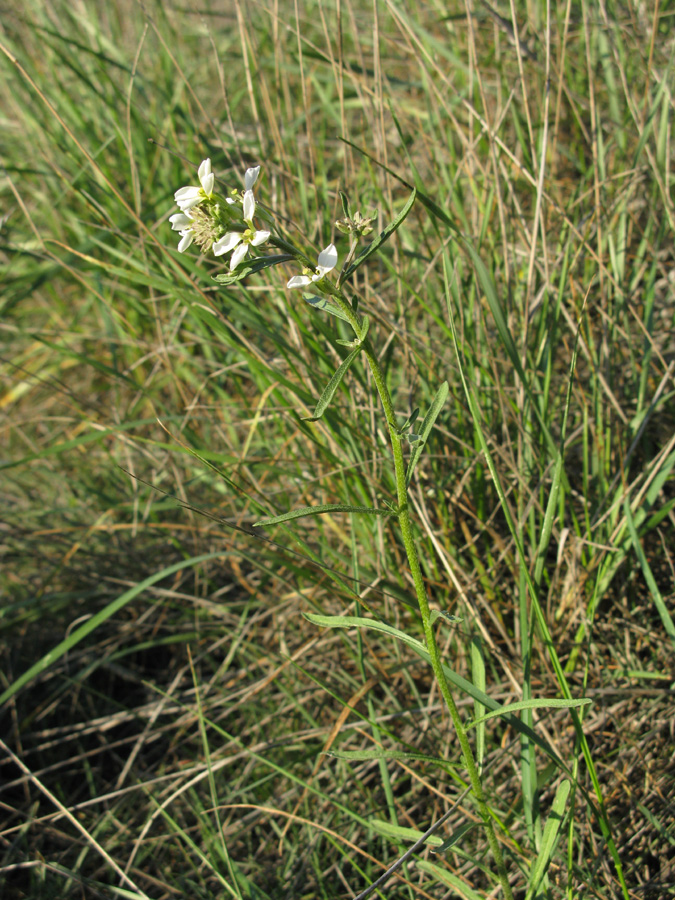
(418, 580)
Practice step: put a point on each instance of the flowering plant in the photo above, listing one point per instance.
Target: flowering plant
(223, 226)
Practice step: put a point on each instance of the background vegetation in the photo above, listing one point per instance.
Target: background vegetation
(149, 417)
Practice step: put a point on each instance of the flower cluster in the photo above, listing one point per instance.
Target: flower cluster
(204, 216)
(358, 225)
(225, 225)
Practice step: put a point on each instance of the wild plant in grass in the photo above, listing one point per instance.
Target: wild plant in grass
(227, 224)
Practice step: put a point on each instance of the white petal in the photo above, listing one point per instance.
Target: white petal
(206, 177)
(299, 281)
(249, 206)
(327, 259)
(187, 197)
(179, 221)
(227, 243)
(238, 255)
(251, 177)
(260, 238)
(186, 240)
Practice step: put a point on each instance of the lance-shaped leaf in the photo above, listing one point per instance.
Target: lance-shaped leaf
(383, 236)
(325, 305)
(251, 266)
(456, 836)
(390, 754)
(479, 679)
(446, 616)
(332, 385)
(410, 421)
(400, 833)
(425, 430)
(321, 510)
(345, 205)
(442, 876)
(532, 703)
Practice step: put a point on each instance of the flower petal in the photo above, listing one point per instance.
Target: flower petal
(260, 237)
(206, 177)
(187, 197)
(249, 206)
(299, 281)
(186, 239)
(251, 177)
(238, 255)
(179, 221)
(227, 243)
(327, 260)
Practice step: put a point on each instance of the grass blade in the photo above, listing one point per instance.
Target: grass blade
(657, 597)
(550, 838)
(98, 619)
(532, 703)
(428, 423)
(304, 511)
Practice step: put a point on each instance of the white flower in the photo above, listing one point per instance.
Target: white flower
(250, 179)
(182, 223)
(242, 240)
(187, 197)
(327, 260)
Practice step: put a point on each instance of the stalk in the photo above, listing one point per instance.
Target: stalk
(416, 571)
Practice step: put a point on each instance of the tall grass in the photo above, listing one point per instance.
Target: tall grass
(177, 719)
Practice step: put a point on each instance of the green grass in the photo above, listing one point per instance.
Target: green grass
(177, 719)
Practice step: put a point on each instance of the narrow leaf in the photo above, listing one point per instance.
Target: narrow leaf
(445, 877)
(251, 266)
(333, 385)
(401, 833)
(532, 703)
(456, 836)
(345, 205)
(446, 616)
(549, 839)
(320, 510)
(425, 430)
(479, 679)
(375, 245)
(361, 755)
(325, 305)
(410, 421)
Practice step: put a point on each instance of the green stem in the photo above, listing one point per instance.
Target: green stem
(420, 590)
